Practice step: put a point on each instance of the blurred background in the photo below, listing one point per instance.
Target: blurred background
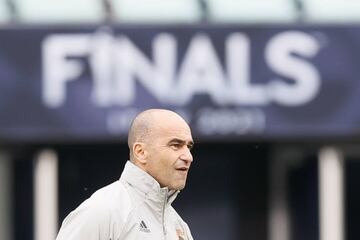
(270, 88)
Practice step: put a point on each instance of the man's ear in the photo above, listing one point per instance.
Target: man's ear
(139, 152)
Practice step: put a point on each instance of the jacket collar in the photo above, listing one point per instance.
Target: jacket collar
(145, 183)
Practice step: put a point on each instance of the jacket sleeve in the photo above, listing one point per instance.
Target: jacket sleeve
(188, 232)
(87, 222)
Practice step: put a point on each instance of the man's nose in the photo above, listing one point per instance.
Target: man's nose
(186, 156)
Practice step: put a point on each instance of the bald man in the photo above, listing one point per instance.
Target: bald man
(138, 205)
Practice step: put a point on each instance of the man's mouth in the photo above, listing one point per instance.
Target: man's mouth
(184, 169)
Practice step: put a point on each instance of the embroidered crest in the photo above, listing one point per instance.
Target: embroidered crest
(180, 233)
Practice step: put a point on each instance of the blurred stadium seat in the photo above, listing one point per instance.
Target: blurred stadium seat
(332, 11)
(180, 11)
(156, 11)
(4, 13)
(252, 11)
(59, 11)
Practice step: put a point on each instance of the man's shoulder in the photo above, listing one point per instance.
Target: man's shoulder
(111, 190)
(109, 202)
(112, 196)
(106, 207)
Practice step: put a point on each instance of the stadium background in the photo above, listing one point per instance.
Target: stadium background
(270, 89)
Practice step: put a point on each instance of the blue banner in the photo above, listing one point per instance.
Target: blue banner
(228, 82)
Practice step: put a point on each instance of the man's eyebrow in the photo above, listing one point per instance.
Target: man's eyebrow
(177, 140)
(181, 141)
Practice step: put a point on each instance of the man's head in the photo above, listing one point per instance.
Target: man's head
(160, 142)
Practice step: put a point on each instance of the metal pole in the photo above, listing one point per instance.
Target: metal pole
(279, 219)
(46, 195)
(331, 194)
(6, 197)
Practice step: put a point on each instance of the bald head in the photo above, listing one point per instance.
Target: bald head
(160, 143)
(146, 124)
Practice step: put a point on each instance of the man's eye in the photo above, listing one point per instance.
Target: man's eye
(175, 146)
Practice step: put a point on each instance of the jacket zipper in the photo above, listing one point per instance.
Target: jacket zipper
(163, 216)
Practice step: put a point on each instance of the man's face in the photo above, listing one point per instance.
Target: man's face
(169, 157)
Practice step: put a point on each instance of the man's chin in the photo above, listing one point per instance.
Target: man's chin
(177, 187)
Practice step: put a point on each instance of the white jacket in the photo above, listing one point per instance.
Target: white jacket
(134, 207)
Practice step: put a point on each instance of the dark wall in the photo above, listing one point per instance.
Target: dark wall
(225, 197)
